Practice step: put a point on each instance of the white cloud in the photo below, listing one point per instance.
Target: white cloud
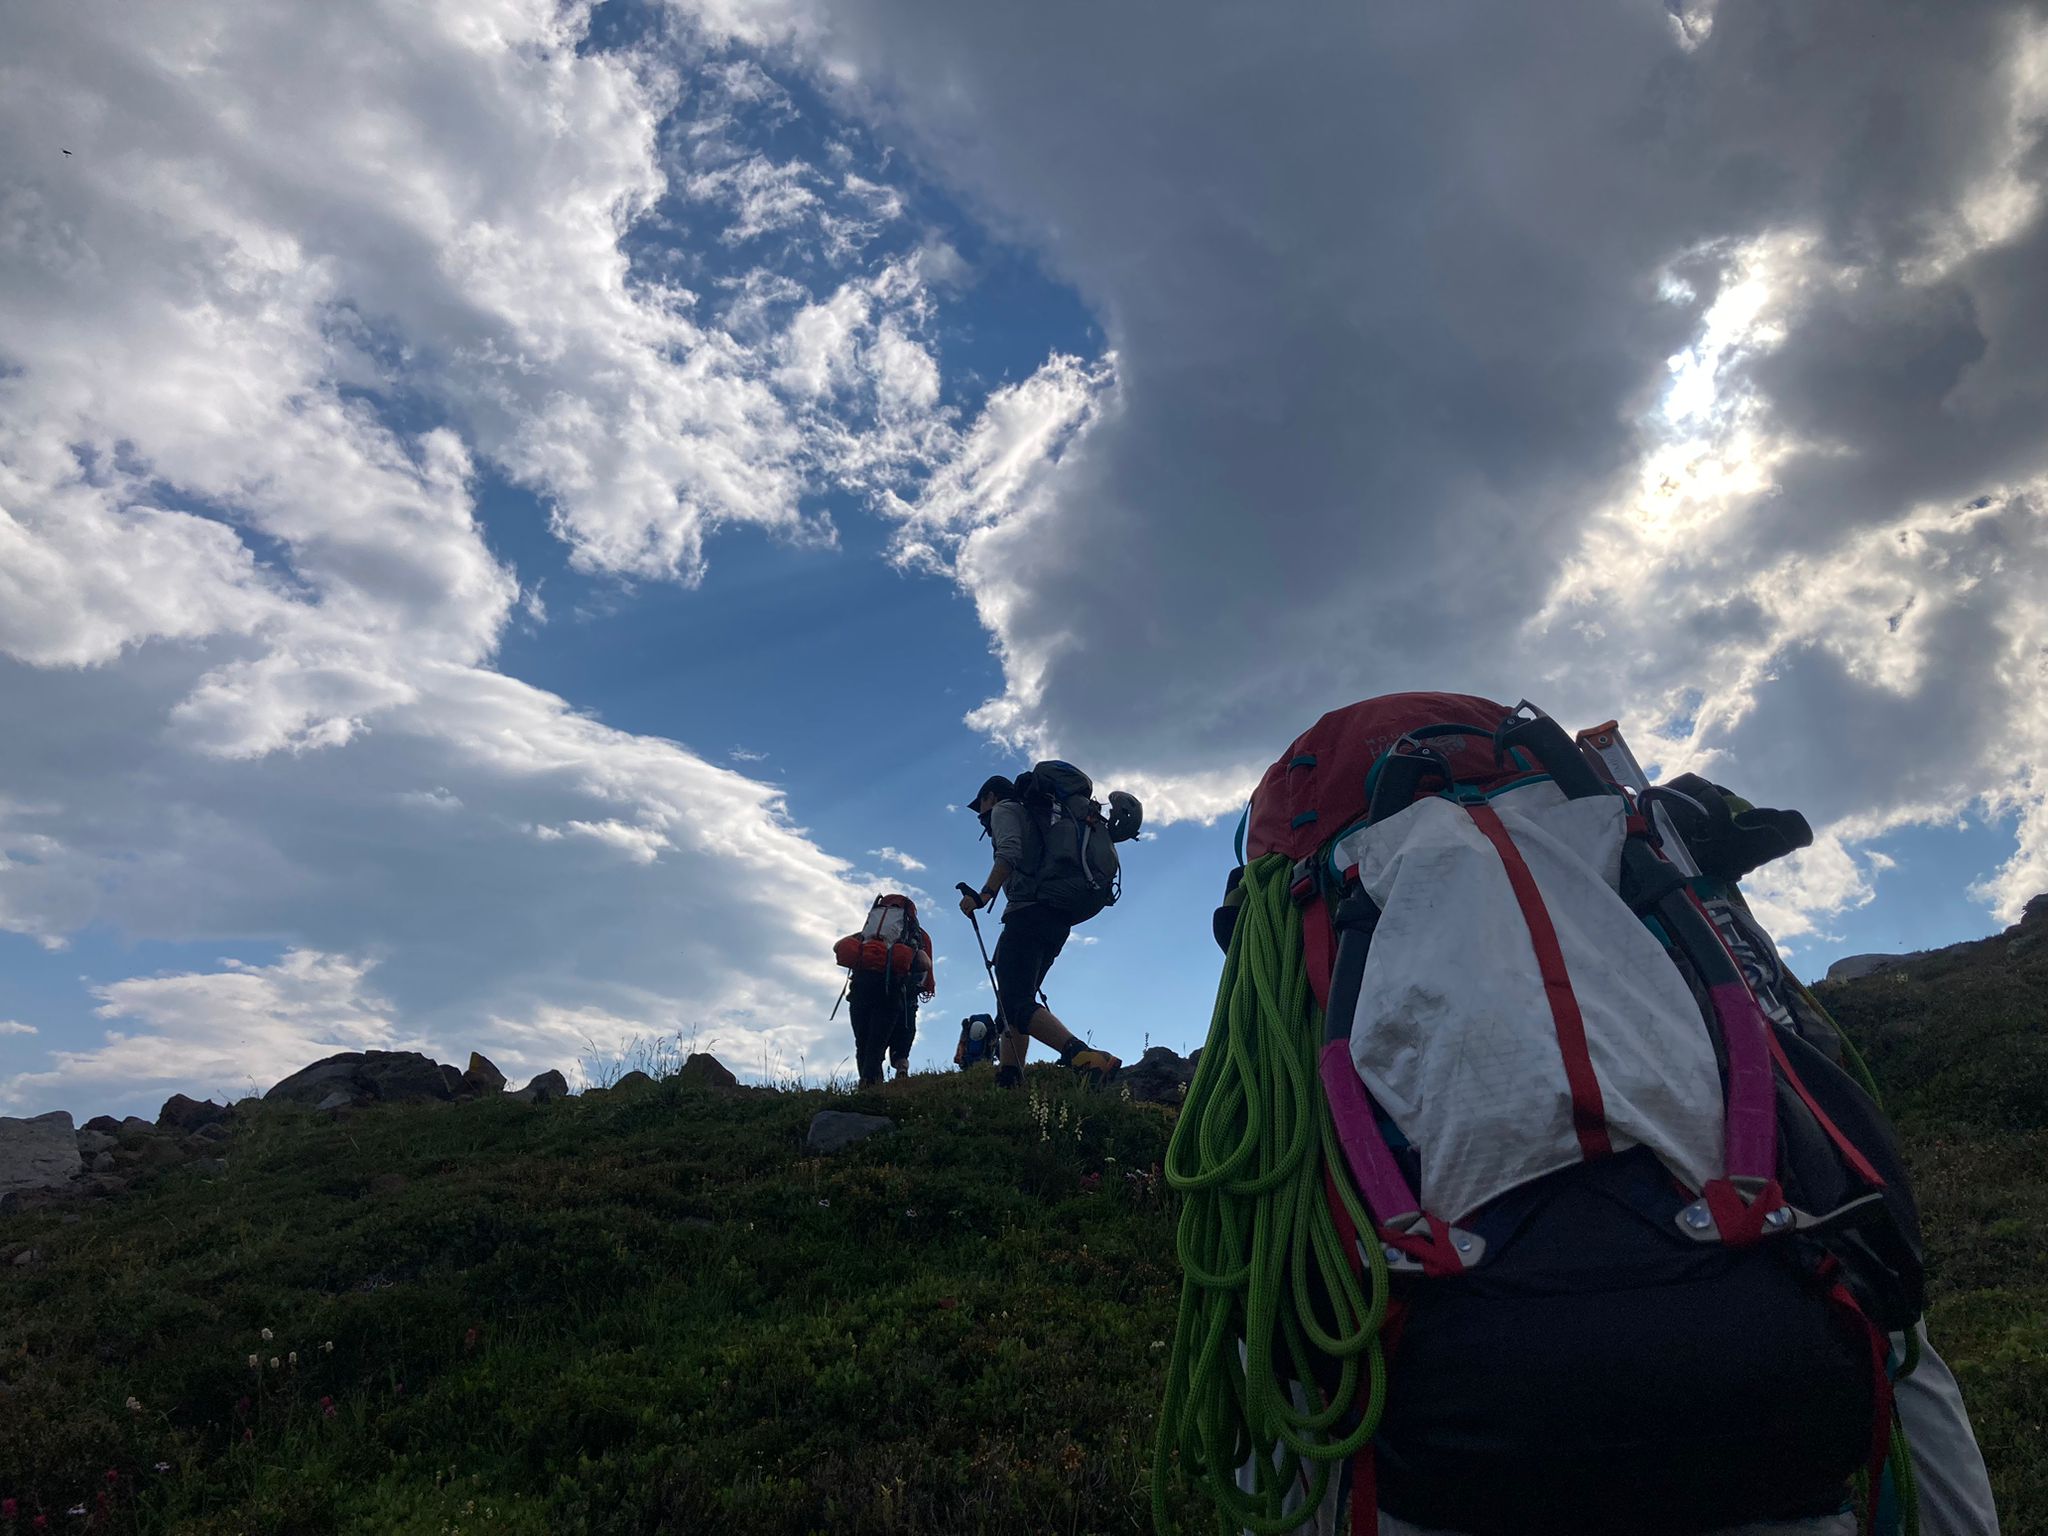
(15, 1027)
(902, 861)
(234, 1031)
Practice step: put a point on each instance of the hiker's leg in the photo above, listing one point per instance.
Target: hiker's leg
(1044, 1026)
(866, 1007)
(903, 1037)
(1955, 1491)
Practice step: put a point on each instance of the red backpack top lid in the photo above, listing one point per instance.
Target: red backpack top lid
(1317, 788)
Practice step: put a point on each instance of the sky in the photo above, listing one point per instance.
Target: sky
(517, 520)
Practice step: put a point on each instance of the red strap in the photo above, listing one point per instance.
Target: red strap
(1738, 1223)
(1318, 949)
(1432, 1248)
(1843, 1144)
(1880, 1393)
(1589, 1113)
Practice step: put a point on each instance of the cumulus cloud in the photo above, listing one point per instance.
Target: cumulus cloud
(298, 285)
(1646, 362)
(902, 861)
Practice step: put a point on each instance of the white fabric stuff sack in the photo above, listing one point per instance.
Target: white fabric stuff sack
(1454, 1034)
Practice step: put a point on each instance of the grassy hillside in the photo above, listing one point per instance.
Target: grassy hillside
(637, 1312)
(620, 1313)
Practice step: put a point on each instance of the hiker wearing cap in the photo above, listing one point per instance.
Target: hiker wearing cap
(1035, 929)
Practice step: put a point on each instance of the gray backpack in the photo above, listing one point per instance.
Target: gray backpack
(1077, 872)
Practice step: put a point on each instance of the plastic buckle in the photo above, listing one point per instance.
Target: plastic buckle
(1302, 886)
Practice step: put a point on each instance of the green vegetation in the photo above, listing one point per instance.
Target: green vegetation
(628, 1312)
(645, 1311)
(1958, 1043)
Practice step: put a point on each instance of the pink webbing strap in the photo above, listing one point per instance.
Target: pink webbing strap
(1752, 1130)
(1374, 1170)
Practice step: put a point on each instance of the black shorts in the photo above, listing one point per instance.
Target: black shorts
(1031, 940)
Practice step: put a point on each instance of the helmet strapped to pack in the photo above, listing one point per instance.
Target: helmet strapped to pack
(1538, 1067)
(1074, 867)
(889, 942)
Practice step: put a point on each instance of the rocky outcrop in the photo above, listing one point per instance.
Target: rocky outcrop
(549, 1085)
(182, 1114)
(368, 1077)
(704, 1071)
(1856, 967)
(1160, 1076)
(833, 1130)
(39, 1153)
(482, 1075)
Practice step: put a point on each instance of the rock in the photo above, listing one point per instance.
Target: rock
(27, 1256)
(133, 1126)
(341, 1098)
(835, 1129)
(104, 1163)
(457, 1085)
(700, 1070)
(182, 1114)
(2035, 911)
(548, 1085)
(209, 1166)
(107, 1184)
(41, 1153)
(1856, 967)
(1160, 1076)
(383, 1076)
(632, 1081)
(483, 1076)
(101, 1125)
(92, 1143)
(216, 1132)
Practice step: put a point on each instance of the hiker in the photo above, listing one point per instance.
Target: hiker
(977, 1041)
(890, 970)
(1524, 1195)
(1056, 866)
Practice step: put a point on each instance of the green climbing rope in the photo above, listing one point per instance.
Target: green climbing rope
(1270, 1304)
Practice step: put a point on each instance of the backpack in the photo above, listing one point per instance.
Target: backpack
(1511, 1208)
(1075, 869)
(891, 942)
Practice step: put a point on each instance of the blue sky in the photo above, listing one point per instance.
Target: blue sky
(514, 530)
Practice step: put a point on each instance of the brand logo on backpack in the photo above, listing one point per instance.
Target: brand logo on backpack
(1077, 872)
(889, 941)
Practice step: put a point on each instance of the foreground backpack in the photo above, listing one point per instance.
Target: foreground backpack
(891, 942)
(1511, 1209)
(1076, 871)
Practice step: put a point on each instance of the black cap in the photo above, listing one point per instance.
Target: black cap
(1004, 789)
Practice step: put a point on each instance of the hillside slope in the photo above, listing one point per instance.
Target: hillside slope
(646, 1311)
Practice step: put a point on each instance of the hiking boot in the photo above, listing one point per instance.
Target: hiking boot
(1098, 1066)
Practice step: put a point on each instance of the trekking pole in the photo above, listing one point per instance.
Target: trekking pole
(986, 964)
(843, 986)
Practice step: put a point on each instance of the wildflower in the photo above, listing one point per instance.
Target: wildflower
(1090, 1182)
(133, 1405)
(243, 1405)
(248, 1435)
(268, 1335)
(469, 1339)
(327, 1348)
(76, 1509)
(327, 1407)
(163, 1466)
(399, 1390)
(113, 1477)
(292, 1358)
(40, 1523)
(824, 1202)
(9, 1509)
(1157, 1345)
(274, 1363)
(254, 1363)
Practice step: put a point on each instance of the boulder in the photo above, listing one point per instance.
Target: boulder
(182, 1114)
(1856, 967)
(632, 1082)
(2035, 911)
(340, 1098)
(103, 1125)
(482, 1075)
(832, 1130)
(103, 1163)
(700, 1070)
(548, 1085)
(1160, 1076)
(366, 1076)
(92, 1143)
(209, 1167)
(208, 1134)
(39, 1153)
(453, 1080)
(133, 1126)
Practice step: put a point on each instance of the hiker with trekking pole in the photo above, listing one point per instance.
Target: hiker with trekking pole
(1055, 865)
